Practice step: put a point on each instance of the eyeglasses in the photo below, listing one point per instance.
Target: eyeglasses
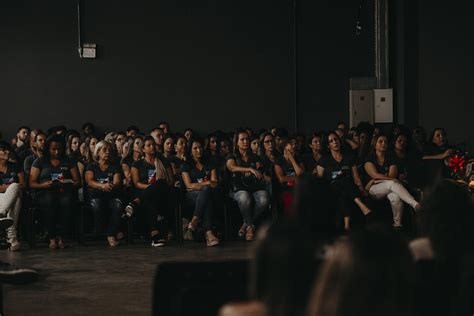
(267, 141)
(333, 140)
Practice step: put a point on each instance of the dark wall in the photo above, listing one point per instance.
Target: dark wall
(329, 53)
(446, 68)
(205, 64)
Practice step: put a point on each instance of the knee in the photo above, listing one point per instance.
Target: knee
(394, 199)
(262, 199)
(14, 188)
(116, 205)
(243, 199)
(95, 205)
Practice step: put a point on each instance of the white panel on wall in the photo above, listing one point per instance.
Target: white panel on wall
(383, 105)
(361, 106)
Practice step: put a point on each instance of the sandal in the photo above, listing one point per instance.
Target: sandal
(61, 244)
(112, 241)
(53, 244)
(249, 235)
(243, 230)
(211, 242)
(119, 236)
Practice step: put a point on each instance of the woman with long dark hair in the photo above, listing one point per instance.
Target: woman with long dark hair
(340, 170)
(247, 183)
(382, 169)
(436, 155)
(200, 178)
(288, 168)
(314, 156)
(151, 177)
(55, 179)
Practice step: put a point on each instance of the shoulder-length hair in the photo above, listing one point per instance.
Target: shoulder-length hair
(98, 148)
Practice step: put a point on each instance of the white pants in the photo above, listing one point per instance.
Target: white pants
(10, 205)
(396, 194)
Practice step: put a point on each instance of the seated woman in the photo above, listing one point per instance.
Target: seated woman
(55, 179)
(255, 145)
(246, 183)
(73, 152)
(383, 183)
(409, 163)
(288, 168)
(314, 156)
(436, 155)
(200, 177)
(104, 181)
(168, 146)
(12, 181)
(136, 153)
(340, 170)
(37, 149)
(120, 142)
(87, 149)
(267, 156)
(151, 178)
(179, 158)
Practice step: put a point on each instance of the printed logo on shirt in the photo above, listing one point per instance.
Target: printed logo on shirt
(55, 176)
(151, 176)
(206, 178)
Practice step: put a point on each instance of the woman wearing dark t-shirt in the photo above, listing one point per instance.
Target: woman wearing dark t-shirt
(382, 170)
(179, 158)
(152, 178)
(200, 178)
(247, 183)
(103, 185)
(436, 154)
(135, 154)
(340, 170)
(55, 179)
(12, 181)
(73, 152)
(287, 170)
(314, 156)
(168, 146)
(268, 158)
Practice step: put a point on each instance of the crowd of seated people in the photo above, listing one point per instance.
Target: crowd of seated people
(129, 173)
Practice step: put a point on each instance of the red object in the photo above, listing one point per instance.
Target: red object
(456, 163)
(287, 199)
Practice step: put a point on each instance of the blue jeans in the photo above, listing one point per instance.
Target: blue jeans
(104, 208)
(251, 205)
(202, 202)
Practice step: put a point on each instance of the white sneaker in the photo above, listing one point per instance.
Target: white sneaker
(15, 245)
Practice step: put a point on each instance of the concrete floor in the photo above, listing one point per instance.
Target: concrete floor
(97, 280)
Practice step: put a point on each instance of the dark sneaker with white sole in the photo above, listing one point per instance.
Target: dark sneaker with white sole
(5, 222)
(157, 241)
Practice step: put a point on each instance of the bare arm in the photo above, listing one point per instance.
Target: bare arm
(319, 171)
(33, 182)
(136, 180)
(281, 175)
(372, 172)
(299, 169)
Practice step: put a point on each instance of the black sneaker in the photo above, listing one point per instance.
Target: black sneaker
(5, 222)
(157, 241)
